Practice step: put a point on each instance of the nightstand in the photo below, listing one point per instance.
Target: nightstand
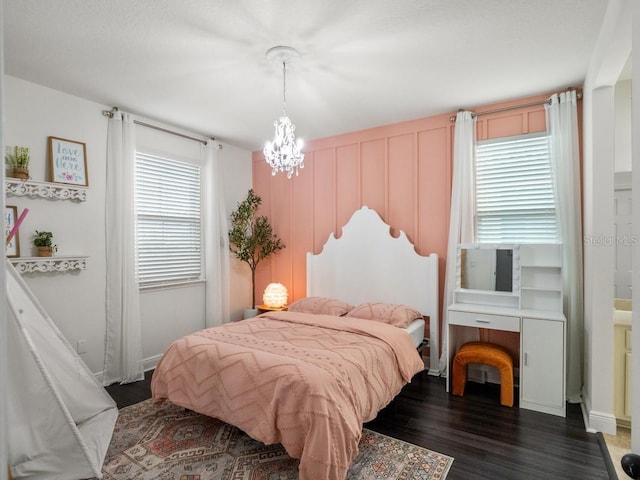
(265, 308)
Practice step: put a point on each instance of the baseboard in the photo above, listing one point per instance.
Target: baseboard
(601, 422)
(147, 364)
(595, 421)
(151, 362)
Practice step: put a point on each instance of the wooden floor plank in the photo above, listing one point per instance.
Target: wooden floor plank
(488, 441)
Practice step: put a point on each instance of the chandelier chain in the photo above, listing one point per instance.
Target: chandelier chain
(284, 87)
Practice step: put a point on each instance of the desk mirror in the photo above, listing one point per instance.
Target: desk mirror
(486, 268)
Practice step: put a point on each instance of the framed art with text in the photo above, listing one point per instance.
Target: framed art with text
(12, 247)
(68, 161)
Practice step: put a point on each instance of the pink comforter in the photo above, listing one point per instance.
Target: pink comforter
(306, 381)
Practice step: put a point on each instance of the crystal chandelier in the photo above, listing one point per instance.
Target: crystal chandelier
(284, 154)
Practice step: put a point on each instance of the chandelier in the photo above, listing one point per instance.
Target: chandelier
(284, 154)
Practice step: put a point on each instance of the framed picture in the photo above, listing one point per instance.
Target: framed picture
(10, 218)
(68, 161)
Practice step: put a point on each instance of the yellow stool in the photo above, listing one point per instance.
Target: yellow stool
(486, 354)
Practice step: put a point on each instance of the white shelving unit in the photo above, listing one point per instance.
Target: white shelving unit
(541, 277)
(48, 264)
(47, 190)
(50, 191)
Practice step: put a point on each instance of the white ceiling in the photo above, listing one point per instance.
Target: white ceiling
(200, 64)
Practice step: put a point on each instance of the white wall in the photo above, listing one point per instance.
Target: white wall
(623, 126)
(599, 138)
(599, 257)
(237, 175)
(169, 313)
(635, 279)
(76, 300)
(3, 336)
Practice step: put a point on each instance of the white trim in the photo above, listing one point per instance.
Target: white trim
(601, 422)
(148, 363)
(595, 421)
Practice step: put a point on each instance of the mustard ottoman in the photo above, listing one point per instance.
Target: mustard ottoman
(486, 354)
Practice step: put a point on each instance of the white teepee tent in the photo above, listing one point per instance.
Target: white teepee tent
(60, 419)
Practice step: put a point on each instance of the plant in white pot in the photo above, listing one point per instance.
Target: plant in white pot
(251, 239)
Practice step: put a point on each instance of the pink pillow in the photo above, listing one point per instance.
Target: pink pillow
(398, 315)
(320, 306)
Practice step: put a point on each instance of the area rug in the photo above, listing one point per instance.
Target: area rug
(163, 441)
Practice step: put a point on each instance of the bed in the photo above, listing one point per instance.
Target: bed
(309, 377)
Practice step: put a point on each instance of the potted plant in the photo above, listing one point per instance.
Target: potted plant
(43, 241)
(251, 239)
(18, 160)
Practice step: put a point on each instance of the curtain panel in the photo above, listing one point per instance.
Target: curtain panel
(461, 223)
(123, 345)
(562, 128)
(216, 239)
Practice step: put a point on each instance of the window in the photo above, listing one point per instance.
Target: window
(514, 191)
(168, 220)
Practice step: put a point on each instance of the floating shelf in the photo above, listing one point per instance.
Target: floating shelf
(48, 264)
(51, 191)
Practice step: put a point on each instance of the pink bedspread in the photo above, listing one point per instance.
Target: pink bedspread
(306, 381)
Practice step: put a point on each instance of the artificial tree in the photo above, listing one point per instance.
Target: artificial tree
(251, 237)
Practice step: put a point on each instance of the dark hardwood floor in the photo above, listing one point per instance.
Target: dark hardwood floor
(487, 441)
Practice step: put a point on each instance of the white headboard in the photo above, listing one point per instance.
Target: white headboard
(366, 264)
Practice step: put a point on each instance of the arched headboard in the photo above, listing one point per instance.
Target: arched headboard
(367, 264)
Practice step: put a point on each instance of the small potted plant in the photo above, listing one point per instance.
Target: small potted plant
(43, 241)
(18, 161)
(251, 239)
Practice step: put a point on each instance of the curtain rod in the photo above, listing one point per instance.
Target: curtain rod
(109, 113)
(513, 107)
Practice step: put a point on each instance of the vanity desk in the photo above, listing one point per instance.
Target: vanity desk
(514, 288)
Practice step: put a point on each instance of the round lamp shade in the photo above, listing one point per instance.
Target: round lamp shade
(275, 295)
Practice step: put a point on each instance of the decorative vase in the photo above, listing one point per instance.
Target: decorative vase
(250, 313)
(21, 173)
(45, 251)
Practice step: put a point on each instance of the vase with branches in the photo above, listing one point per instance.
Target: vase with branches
(251, 237)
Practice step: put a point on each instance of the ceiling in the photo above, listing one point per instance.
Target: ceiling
(201, 65)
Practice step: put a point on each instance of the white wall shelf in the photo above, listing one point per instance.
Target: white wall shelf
(48, 264)
(50, 191)
(541, 276)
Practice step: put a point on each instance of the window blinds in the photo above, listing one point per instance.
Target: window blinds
(168, 220)
(514, 191)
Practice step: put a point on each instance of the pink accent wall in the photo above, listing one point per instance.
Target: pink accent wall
(403, 171)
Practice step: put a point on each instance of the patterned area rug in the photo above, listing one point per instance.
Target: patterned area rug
(167, 442)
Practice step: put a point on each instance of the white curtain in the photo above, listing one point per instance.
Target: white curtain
(216, 239)
(123, 346)
(461, 224)
(562, 128)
